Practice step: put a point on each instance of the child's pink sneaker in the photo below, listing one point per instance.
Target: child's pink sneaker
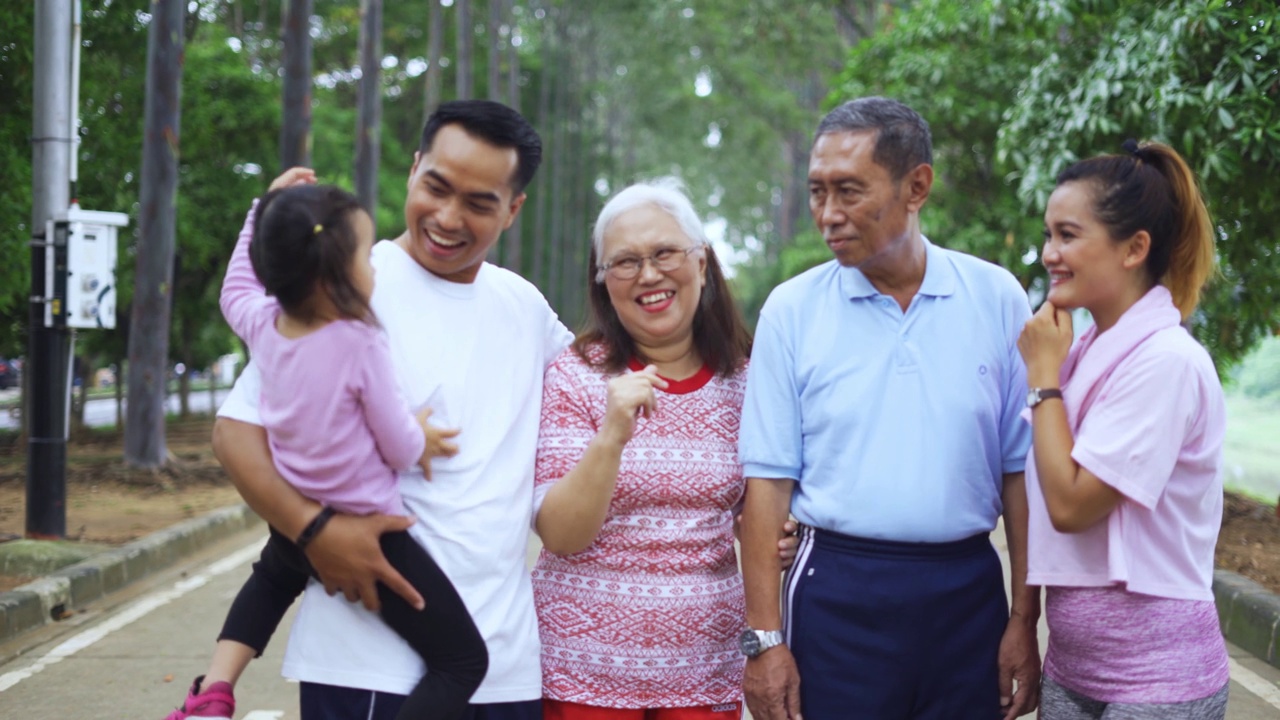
(216, 702)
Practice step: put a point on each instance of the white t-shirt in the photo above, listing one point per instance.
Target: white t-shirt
(475, 353)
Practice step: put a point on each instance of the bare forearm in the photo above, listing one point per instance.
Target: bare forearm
(243, 451)
(575, 507)
(767, 506)
(1025, 601)
(1053, 444)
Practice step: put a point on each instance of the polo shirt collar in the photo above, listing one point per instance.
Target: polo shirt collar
(939, 277)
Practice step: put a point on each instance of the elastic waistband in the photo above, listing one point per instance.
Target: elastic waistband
(853, 545)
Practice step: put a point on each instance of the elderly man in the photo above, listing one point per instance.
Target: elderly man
(882, 410)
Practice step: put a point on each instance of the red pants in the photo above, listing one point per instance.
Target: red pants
(556, 710)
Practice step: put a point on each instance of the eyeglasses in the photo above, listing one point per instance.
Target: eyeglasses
(628, 267)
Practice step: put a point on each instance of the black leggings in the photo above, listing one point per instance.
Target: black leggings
(443, 633)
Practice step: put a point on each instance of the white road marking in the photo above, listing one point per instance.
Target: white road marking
(130, 614)
(1255, 683)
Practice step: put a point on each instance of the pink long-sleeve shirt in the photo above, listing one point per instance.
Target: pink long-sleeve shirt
(336, 422)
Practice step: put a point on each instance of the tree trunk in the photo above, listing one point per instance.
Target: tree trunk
(184, 393)
(555, 281)
(495, 87)
(295, 128)
(514, 250)
(118, 382)
(184, 377)
(144, 444)
(435, 43)
(369, 123)
(466, 37)
(85, 368)
(539, 245)
(213, 391)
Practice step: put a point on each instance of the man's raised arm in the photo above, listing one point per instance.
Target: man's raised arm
(345, 554)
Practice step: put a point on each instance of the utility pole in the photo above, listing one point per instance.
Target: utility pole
(49, 348)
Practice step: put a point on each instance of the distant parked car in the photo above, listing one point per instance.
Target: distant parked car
(10, 373)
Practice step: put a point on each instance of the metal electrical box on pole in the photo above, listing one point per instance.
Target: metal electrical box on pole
(80, 269)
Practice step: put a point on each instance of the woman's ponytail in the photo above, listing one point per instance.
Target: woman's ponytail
(1192, 258)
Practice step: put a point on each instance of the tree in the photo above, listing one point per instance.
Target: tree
(1202, 77)
(295, 129)
(149, 340)
(435, 49)
(1015, 90)
(369, 130)
(466, 41)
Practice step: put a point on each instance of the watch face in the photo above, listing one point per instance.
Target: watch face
(749, 643)
(1033, 397)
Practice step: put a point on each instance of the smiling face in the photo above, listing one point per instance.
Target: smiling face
(656, 308)
(865, 216)
(460, 200)
(1087, 268)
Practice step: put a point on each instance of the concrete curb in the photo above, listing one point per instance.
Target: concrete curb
(1249, 614)
(46, 600)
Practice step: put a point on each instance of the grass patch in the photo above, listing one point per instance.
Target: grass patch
(1251, 454)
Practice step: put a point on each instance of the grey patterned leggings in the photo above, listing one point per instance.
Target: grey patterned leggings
(1059, 703)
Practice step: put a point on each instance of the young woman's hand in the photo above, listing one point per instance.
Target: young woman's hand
(438, 442)
(293, 176)
(1044, 343)
(630, 396)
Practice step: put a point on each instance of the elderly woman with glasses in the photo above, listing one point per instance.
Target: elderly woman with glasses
(639, 599)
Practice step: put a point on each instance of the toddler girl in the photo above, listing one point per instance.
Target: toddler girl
(297, 292)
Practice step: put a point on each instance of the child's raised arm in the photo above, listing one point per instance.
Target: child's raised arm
(244, 303)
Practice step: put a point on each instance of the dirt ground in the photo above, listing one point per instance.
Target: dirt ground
(110, 504)
(1250, 541)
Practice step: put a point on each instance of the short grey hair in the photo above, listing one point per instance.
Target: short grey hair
(666, 194)
(903, 140)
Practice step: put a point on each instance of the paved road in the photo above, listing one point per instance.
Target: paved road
(101, 412)
(133, 660)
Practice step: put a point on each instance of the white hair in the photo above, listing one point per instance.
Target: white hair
(666, 194)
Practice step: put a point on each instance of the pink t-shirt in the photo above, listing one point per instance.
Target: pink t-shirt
(335, 420)
(1154, 432)
(649, 614)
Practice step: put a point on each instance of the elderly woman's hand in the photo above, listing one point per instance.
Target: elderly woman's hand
(629, 396)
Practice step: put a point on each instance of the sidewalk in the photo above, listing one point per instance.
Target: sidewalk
(62, 593)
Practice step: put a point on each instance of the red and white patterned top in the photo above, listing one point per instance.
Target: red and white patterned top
(649, 614)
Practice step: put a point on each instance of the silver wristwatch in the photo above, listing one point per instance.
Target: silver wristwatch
(753, 642)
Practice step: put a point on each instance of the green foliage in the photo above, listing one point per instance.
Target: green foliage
(1017, 89)
(16, 61)
(1259, 375)
(1201, 76)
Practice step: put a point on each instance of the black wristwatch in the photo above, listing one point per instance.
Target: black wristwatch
(753, 642)
(1035, 396)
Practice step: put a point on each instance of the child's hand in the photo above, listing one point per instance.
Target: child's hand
(293, 176)
(438, 444)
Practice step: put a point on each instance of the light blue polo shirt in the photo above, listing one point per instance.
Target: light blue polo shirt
(897, 426)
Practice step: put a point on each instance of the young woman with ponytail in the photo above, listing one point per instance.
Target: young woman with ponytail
(1127, 426)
